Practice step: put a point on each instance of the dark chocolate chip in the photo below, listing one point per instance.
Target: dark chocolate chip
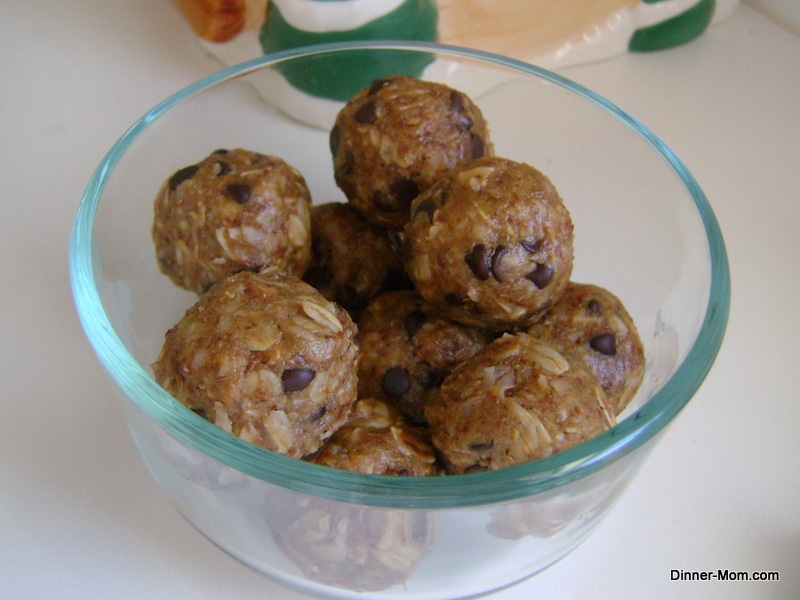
(476, 468)
(456, 101)
(220, 151)
(182, 175)
(404, 190)
(318, 414)
(481, 446)
(593, 307)
(348, 165)
(605, 344)
(497, 257)
(334, 139)
(201, 413)
(366, 114)
(396, 382)
(239, 192)
(295, 380)
(479, 261)
(427, 207)
(414, 322)
(224, 168)
(477, 147)
(532, 245)
(540, 276)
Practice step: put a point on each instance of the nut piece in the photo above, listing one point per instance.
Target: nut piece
(516, 401)
(233, 210)
(265, 357)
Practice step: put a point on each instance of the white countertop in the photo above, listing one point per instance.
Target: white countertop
(80, 516)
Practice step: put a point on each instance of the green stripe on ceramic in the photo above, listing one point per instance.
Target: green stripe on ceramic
(678, 30)
(337, 79)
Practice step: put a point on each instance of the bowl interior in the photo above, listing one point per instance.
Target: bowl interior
(643, 229)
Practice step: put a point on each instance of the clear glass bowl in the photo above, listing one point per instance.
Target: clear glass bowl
(643, 228)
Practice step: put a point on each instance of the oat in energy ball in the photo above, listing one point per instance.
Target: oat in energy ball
(376, 439)
(490, 244)
(233, 210)
(352, 260)
(265, 357)
(393, 139)
(407, 349)
(516, 401)
(591, 327)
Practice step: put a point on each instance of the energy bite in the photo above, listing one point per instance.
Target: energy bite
(265, 357)
(407, 349)
(376, 439)
(393, 139)
(352, 260)
(234, 210)
(591, 327)
(490, 244)
(357, 547)
(517, 400)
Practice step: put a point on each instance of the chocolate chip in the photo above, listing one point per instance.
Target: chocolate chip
(456, 101)
(182, 175)
(593, 307)
(477, 147)
(348, 165)
(318, 414)
(224, 168)
(497, 257)
(605, 344)
(540, 276)
(220, 151)
(334, 139)
(476, 468)
(427, 207)
(481, 446)
(532, 245)
(395, 382)
(414, 322)
(239, 192)
(294, 380)
(201, 413)
(366, 114)
(404, 190)
(479, 261)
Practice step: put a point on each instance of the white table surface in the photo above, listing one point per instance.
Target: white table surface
(80, 516)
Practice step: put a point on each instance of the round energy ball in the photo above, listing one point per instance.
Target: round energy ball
(393, 139)
(516, 401)
(490, 244)
(352, 260)
(265, 357)
(376, 439)
(407, 349)
(234, 210)
(591, 327)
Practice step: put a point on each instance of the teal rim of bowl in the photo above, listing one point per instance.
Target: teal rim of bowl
(381, 490)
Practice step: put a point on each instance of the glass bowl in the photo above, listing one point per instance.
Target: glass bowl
(643, 229)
